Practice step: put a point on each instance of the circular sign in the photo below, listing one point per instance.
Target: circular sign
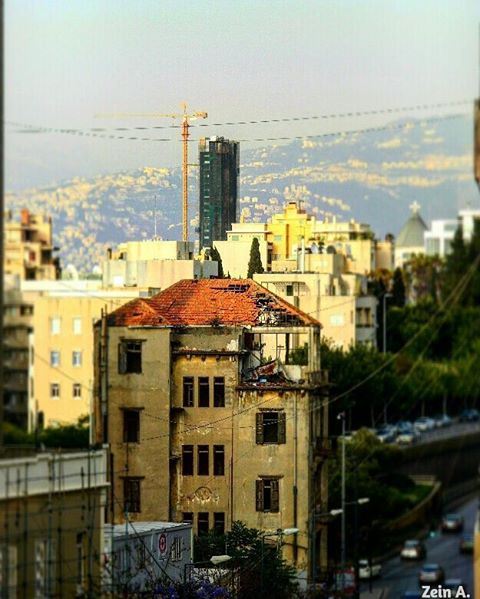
(162, 544)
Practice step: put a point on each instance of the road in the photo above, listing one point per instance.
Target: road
(457, 429)
(399, 576)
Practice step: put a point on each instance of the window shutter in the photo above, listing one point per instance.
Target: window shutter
(275, 496)
(259, 428)
(259, 494)
(122, 358)
(281, 427)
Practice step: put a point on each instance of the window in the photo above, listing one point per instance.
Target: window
(55, 325)
(176, 549)
(8, 569)
(54, 358)
(45, 560)
(188, 391)
(219, 392)
(203, 524)
(130, 357)
(219, 522)
(187, 517)
(76, 358)
(203, 459)
(270, 427)
(77, 391)
(55, 390)
(203, 392)
(218, 460)
(187, 460)
(131, 426)
(131, 494)
(77, 326)
(267, 499)
(289, 290)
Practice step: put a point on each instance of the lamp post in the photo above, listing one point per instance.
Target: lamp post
(316, 517)
(341, 417)
(385, 296)
(279, 533)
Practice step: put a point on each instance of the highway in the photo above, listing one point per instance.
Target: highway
(399, 576)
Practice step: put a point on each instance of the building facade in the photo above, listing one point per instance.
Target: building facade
(203, 425)
(28, 249)
(410, 241)
(219, 161)
(51, 524)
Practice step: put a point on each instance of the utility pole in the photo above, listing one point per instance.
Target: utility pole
(343, 555)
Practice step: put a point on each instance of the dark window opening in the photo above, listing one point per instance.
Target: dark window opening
(131, 426)
(219, 460)
(203, 460)
(270, 427)
(289, 290)
(219, 522)
(187, 460)
(131, 494)
(203, 392)
(188, 391)
(219, 392)
(187, 517)
(203, 523)
(267, 495)
(130, 357)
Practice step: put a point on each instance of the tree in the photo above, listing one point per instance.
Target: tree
(398, 288)
(215, 255)
(255, 262)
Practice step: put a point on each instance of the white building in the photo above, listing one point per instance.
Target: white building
(438, 239)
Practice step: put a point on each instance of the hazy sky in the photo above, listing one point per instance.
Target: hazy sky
(67, 60)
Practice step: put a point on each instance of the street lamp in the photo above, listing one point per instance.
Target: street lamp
(220, 559)
(280, 533)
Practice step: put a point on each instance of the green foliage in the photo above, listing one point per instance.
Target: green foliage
(263, 572)
(255, 262)
(462, 269)
(398, 288)
(299, 355)
(73, 436)
(215, 255)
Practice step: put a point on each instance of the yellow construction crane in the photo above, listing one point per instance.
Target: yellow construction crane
(186, 118)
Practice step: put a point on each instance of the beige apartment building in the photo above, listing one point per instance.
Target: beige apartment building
(28, 247)
(61, 349)
(51, 525)
(202, 426)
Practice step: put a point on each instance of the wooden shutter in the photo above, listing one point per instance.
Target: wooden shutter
(259, 494)
(281, 427)
(259, 428)
(275, 496)
(122, 358)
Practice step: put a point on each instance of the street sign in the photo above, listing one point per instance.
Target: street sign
(162, 543)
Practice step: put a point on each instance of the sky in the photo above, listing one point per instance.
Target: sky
(66, 62)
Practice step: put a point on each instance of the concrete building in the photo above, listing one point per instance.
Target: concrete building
(439, 237)
(195, 413)
(154, 264)
(17, 326)
(51, 524)
(28, 250)
(219, 177)
(410, 241)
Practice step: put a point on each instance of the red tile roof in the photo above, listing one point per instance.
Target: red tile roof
(204, 302)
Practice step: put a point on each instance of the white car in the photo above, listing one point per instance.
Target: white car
(365, 572)
(424, 424)
(407, 437)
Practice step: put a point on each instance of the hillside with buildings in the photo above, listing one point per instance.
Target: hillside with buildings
(365, 176)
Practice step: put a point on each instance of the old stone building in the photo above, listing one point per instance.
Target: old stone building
(207, 419)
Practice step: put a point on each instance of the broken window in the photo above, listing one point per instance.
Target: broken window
(219, 392)
(131, 426)
(187, 460)
(203, 392)
(188, 392)
(267, 495)
(130, 357)
(203, 460)
(203, 523)
(131, 494)
(218, 460)
(270, 427)
(219, 522)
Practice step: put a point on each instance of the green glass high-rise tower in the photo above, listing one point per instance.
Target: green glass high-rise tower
(219, 173)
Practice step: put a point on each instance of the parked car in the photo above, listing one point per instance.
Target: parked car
(469, 416)
(413, 549)
(404, 426)
(385, 435)
(424, 424)
(365, 572)
(466, 544)
(408, 437)
(442, 420)
(431, 573)
(452, 523)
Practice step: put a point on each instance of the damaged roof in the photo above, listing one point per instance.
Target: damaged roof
(217, 302)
